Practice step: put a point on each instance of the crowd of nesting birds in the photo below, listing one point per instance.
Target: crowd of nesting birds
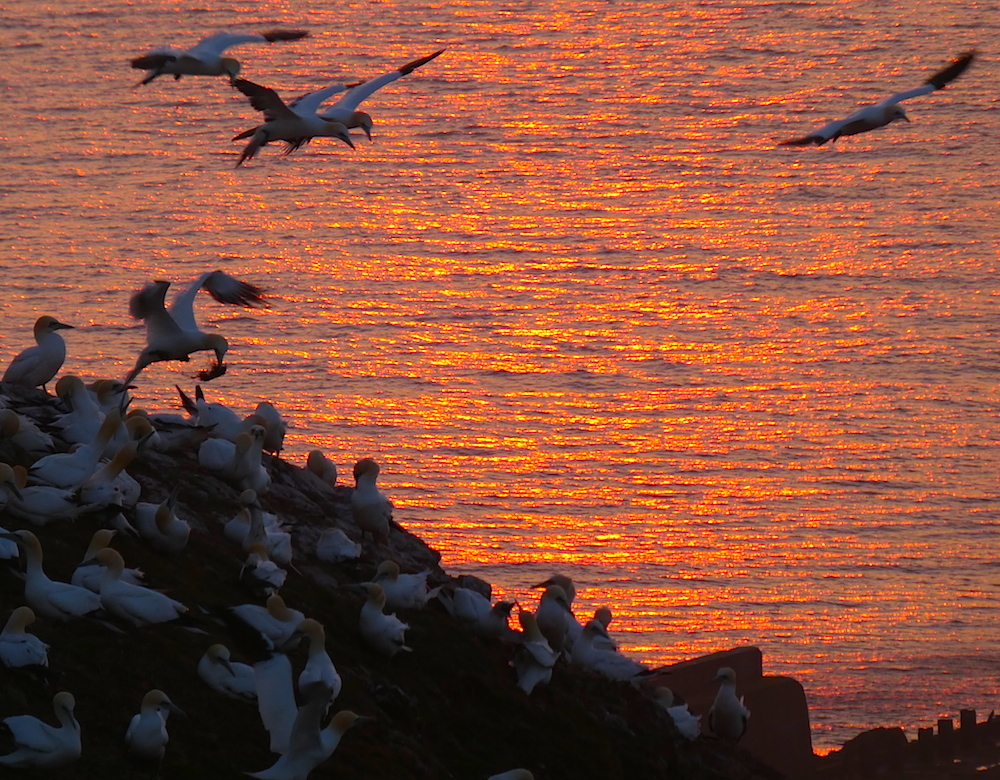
(67, 459)
(296, 122)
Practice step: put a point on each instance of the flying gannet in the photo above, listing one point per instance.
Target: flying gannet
(35, 366)
(173, 334)
(728, 716)
(345, 110)
(205, 58)
(37, 745)
(295, 126)
(884, 112)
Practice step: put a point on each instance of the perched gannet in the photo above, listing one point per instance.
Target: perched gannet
(260, 572)
(223, 421)
(319, 668)
(238, 462)
(146, 735)
(728, 716)
(334, 546)
(283, 123)
(50, 599)
(35, 366)
(238, 526)
(23, 432)
(371, 510)
(475, 613)
(588, 654)
(18, 648)
(228, 677)
(275, 622)
(345, 110)
(174, 334)
(37, 745)
(276, 699)
(71, 469)
(8, 488)
(383, 633)
(40, 504)
(563, 582)
(884, 112)
(140, 606)
(554, 617)
(533, 657)
(83, 420)
(110, 394)
(205, 58)
(107, 485)
(309, 745)
(275, 427)
(89, 574)
(278, 543)
(317, 463)
(159, 524)
(687, 724)
(403, 591)
(604, 617)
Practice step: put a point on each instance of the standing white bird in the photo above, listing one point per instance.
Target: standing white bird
(228, 677)
(35, 366)
(83, 420)
(370, 509)
(275, 427)
(18, 648)
(205, 58)
(146, 735)
(345, 110)
(728, 716)
(174, 334)
(383, 633)
(37, 745)
(403, 591)
(554, 618)
(140, 606)
(319, 668)
(589, 652)
(533, 657)
(260, 572)
(57, 601)
(295, 125)
(884, 112)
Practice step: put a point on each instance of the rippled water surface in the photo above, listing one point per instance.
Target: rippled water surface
(582, 310)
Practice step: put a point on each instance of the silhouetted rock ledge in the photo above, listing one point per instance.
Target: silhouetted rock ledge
(449, 709)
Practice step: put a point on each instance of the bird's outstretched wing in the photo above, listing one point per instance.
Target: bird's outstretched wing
(213, 46)
(360, 92)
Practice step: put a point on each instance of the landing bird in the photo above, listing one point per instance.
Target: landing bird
(295, 125)
(41, 746)
(728, 716)
(35, 366)
(174, 334)
(345, 110)
(880, 114)
(205, 58)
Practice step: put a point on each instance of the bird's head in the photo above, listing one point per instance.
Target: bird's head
(362, 120)
(231, 67)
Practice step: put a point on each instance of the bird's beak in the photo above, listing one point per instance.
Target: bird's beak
(228, 666)
(63, 326)
(347, 140)
(174, 708)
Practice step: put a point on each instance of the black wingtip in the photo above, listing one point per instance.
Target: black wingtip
(953, 71)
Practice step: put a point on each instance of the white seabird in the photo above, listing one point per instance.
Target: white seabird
(370, 509)
(345, 111)
(309, 745)
(260, 572)
(35, 366)
(687, 724)
(533, 657)
(295, 126)
(228, 677)
(275, 699)
(325, 469)
(278, 543)
(334, 546)
(174, 334)
(474, 612)
(223, 421)
(37, 745)
(885, 111)
(159, 524)
(205, 58)
(383, 633)
(57, 601)
(24, 433)
(41, 504)
(89, 574)
(275, 427)
(110, 485)
(18, 648)
(138, 605)
(275, 622)
(146, 735)
(589, 654)
(403, 591)
(71, 469)
(513, 774)
(83, 420)
(728, 716)
(554, 617)
(319, 668)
